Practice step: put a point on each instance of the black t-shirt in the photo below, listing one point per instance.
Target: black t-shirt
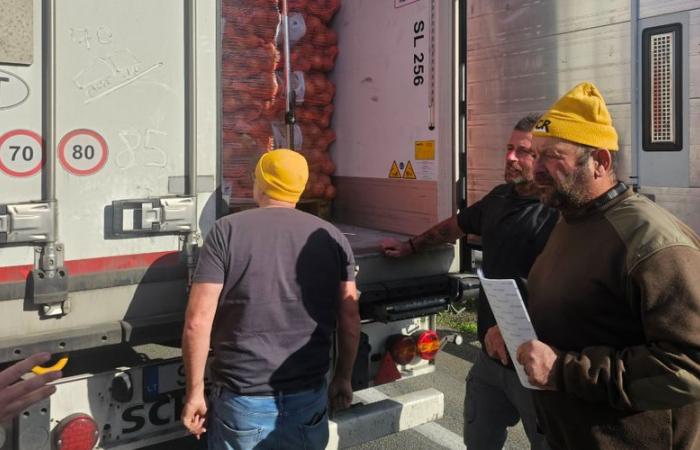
(281, 270)
(513, 232)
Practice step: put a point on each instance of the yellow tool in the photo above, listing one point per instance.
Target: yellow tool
(38, 370)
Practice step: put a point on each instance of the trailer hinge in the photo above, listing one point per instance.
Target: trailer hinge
(26, 222)
(47, 284)
(154, 216)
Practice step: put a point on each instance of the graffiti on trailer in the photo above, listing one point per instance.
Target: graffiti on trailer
(141, 148)
(108, 74)
(84, 37)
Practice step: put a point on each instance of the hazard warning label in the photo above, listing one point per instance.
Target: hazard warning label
(394, 172)
(425, 150)
(409, 173)
(424, 165)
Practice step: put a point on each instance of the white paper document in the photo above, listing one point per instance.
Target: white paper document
(512, 318)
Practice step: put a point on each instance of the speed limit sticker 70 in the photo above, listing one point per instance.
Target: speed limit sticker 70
(21, 153)
(82, 152)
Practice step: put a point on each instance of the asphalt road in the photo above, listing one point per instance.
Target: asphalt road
(453, 364)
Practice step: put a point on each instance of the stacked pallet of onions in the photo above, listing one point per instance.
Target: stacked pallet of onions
(312, 57)
(249, 88)
(254, 91)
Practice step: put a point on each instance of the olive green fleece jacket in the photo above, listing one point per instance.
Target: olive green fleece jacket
(617, 291)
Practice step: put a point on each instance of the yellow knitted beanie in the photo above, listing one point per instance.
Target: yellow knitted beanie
(580, 116)
(282, 175)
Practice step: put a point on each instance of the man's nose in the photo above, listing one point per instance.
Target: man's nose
(510, 155)
(539, 167)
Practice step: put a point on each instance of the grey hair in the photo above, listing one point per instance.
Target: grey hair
(527, 123)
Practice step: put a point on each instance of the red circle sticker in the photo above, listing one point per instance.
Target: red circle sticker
(82, 152)
(21, 153)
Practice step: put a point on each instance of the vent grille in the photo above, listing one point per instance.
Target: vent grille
(662, 124)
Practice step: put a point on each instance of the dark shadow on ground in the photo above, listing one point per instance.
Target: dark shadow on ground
(468, 351)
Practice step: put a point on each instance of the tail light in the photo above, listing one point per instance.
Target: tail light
(425, 344)
(77, 432)
(403, 349)
(428, 344)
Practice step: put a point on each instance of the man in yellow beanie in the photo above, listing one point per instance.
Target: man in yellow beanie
(614, 297)
(270, 287)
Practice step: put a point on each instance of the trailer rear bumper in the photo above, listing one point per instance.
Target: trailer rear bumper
(378, 415)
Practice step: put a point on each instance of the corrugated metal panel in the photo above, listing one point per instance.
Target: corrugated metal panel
(493, 22)
(622, 120)
(523, 75)
(681, 202)
(695, 143)
(694, 54)
(523, 55)
(651, 8)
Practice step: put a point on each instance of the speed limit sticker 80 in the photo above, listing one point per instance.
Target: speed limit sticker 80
(21, 153)
(83, 152)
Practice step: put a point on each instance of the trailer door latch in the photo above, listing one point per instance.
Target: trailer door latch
(26, 222)
(154, 216)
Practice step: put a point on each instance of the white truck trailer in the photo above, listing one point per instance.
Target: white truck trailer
(108, 108)
(110, 169)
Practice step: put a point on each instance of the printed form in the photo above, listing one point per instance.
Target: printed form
(512, 318)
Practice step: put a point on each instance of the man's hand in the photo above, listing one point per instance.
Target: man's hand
(194, 413)
(395, 248)
(16, 396)
(495, 345)
(340, 394)
(538, 360)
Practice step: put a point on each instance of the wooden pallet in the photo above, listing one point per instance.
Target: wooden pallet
(317, 207)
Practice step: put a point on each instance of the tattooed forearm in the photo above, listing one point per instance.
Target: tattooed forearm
(446, 231)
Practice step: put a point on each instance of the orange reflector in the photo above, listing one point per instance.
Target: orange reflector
(428, 344)
(402, 348)
(387, 371)
(77, 432)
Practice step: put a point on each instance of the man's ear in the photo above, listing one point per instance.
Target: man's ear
(603, 162)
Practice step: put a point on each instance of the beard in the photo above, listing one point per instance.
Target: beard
(569, 192)
(517, 175)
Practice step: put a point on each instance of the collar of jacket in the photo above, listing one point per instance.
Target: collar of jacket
(599, 203)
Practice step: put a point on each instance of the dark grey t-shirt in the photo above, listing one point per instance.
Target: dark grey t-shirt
(281, 270)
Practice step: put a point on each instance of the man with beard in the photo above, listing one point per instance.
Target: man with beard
(514, 227)
(614, 297)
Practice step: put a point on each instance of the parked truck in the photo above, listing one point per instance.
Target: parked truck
(108, 110)
(111, 176)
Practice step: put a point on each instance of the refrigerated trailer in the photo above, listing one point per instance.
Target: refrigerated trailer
(110, 178)
(109, 108)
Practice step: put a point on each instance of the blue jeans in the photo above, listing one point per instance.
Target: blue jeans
(283, 421)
